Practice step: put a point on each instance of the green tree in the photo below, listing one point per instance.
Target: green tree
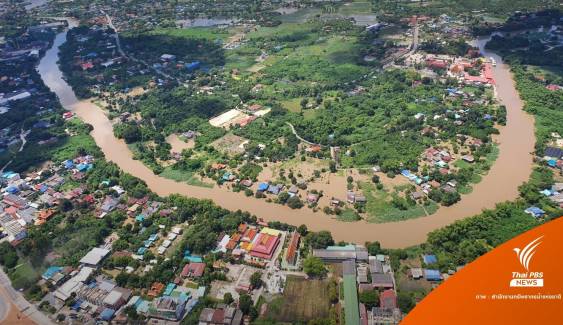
(245, 303)
(314, 267)
(369, 298)
(294, 202)
(405, 301)
(320, 239)
(302, 230)
(256, 280)
(228, 298)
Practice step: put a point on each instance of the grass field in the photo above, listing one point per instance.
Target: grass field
(379, 208)
(209, 33)
(348, 215)
(23, 275)
(303, 300)
(184, 177)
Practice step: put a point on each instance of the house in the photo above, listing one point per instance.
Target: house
(375, 266)
(553, 153)
(468, 158)
(417, 195)
(382, 280)
(274, 189)
(360, 199)
(416, 273)
(351, 197)
(429, 259)
(156, 289)
(432, 275)
(246, 183)
(263, 187)
(362, 274)
(15, 201)
(255, 107)
(170, 308)
(264, 246)
(293, 189)
(167, 57)
(109, 204)
(388, 299)
(220, 316)
(94, 257)
(337, 254)
(535, 212)
(312, 198)
(193, 270)
(553, 87)
(56, 275)
(292, 249)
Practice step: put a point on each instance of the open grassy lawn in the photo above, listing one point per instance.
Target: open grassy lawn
(348, 215)
(292, 105)
(210, 33)
(302, 300)
(355, 7)
(300, 15)
(185, 177)
(23, 275)
(379, 208)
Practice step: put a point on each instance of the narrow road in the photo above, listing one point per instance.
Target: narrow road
(301, 138)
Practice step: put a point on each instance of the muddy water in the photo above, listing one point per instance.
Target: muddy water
(511, 169)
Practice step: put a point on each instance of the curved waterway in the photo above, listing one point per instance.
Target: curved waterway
(511, 169)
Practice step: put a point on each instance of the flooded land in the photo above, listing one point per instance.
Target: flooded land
(511, 169)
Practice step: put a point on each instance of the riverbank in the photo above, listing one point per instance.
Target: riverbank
(511, 169)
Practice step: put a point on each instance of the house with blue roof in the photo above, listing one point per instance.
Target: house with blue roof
(11, 176)
(107, 314)
(51, 272)
(190, 258)
(140, 218)
(546, 192)
(68, 164)
(169, 288)
(153, 237)
(12, 189)
(263, 187)
(228, 176)
(84, 167)
(193, 66)
(141, 251)
(432, 275)
(429, 259)
(535, 212)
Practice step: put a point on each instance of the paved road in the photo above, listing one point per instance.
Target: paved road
(9, 293)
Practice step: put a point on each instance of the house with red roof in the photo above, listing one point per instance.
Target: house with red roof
(553, 87)
(264, 246)
(436, 64)
(193, 270)
(388, 299)
(292, 249)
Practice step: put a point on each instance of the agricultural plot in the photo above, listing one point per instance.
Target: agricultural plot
(303, 300)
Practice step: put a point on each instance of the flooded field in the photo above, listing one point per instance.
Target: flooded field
(511, 169)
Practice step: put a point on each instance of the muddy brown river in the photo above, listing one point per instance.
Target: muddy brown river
(511, 169)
